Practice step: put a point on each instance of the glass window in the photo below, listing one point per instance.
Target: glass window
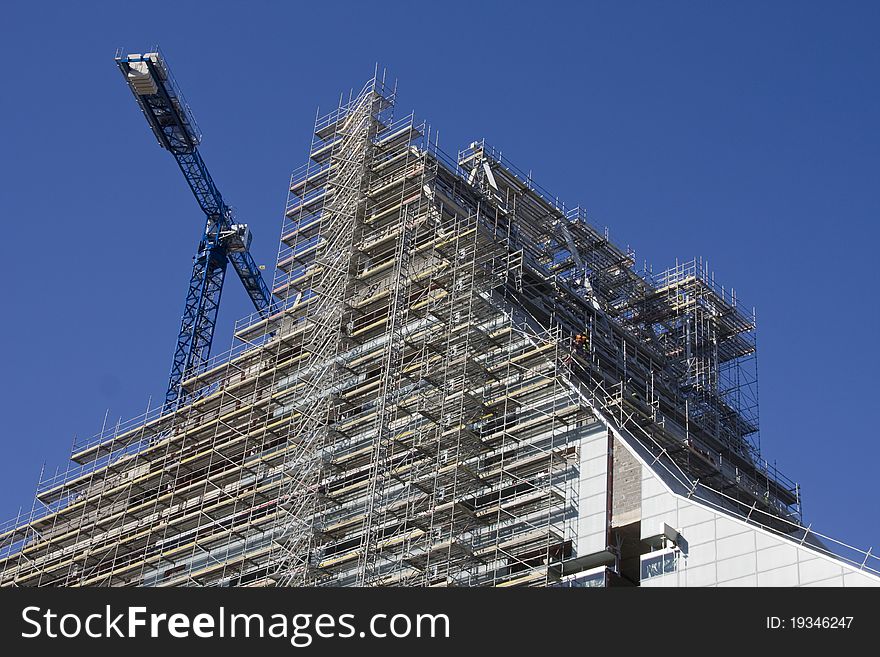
(660, 564)
(587, 580)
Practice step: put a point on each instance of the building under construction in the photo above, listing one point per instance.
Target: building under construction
(463, 383)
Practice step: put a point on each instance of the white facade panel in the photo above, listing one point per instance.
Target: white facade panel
(595, 485)
(776, 555)
(733, 546)
(594, 523)
(703, 532)
(833, 581)
(658, 505)
(651, 486)
(816, 569)
(592, 491)
(736, 567)
(702, 553)
(595, 446)
(704, 575)
(784, 576)
(593, 467)
(725, 527)
(691, 514)
(749, 580)
(858, 579)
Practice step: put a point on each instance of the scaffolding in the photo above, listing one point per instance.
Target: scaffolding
(411, 413)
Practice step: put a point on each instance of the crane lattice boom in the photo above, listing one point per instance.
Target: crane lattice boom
(223, 241)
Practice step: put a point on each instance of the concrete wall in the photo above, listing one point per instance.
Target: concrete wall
(627, 485)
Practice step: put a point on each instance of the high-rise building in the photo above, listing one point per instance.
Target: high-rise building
(466, 384)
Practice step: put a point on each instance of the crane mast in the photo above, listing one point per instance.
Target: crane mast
(223, 241)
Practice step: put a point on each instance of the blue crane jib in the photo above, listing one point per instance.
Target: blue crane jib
(224, 241)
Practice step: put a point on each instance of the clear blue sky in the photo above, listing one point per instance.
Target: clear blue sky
(747, 133)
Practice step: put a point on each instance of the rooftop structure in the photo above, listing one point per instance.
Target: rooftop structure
(464, 383)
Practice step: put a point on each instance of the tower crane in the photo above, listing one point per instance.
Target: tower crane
(223, 241)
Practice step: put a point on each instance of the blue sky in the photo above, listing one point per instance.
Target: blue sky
(746, 133)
